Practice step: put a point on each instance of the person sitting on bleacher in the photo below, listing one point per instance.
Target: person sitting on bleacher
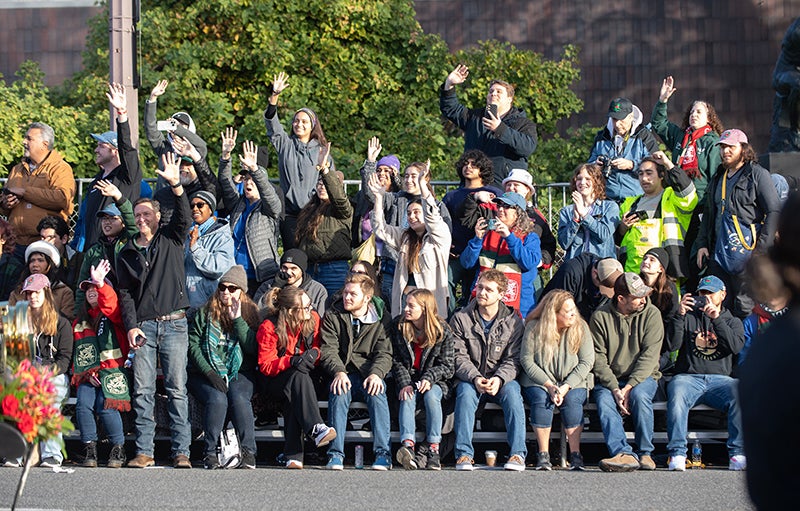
(709, 337)
(628, 334)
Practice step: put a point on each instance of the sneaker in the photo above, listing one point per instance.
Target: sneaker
(405, 457)
(422, 456)
(182, 461)
(248, 459)
(141, 461)
(738, 462)
(89, 455)
(382, 462)
(335, 462)
(677, 463)
(576, 461)
(294, 464)
(465, 463)
(323, 434)
(543, 461)
(646, 462)
(433, 461)
(11, 463)
(516, 463)
(210, 462)
(116, 458)
(622, 462)
(50, 462)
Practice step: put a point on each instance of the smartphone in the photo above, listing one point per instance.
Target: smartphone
(642, 215)
(140, 341)
(700, 301)
(491, 108)
(168, 125)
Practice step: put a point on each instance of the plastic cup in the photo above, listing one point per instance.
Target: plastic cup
(491, 458)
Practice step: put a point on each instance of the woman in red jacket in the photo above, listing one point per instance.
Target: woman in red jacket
(288, 349)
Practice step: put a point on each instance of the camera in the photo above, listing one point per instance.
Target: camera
(491, 224)
(700, 301)
(605, 164)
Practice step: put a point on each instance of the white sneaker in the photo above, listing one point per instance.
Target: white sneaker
(738, 462)
(677, 463)
(295, 464)
(465, 463)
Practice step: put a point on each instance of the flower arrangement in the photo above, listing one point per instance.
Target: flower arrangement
(27, 398)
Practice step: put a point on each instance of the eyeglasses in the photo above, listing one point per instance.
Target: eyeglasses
(198, 205)
(230, 289)
(358, 272)
(307, 308)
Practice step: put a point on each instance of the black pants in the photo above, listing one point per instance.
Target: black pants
(288, 228)
(301, 412)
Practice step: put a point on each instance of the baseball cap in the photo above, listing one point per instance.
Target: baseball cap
(109, 137)
(608, 270)
(520, 176)
(36, 282)
(732, 137)
(110, 210)
(710, 283)
(620, 108)
(512, 199)
(631, 284)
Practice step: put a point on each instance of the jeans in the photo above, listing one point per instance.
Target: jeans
(433, 415)
(52, 448)
(90, 400)
(388, 267)
(457, 274)
(330, 274)
(641, 407)
(715, 390)
(170, 341)
(509, 398)
(378, 408)
(542, 407)
(217, 406)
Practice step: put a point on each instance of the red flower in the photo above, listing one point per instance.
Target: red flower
(11, 406)
(26, 425)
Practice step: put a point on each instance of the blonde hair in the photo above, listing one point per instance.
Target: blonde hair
(44, 321)
(546, 337)
(433, 330)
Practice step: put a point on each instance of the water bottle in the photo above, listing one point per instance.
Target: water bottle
(129, 361)
(359, 456)
(697, 454)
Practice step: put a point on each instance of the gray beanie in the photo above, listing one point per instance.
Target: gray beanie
(206, 197)
(236, 276)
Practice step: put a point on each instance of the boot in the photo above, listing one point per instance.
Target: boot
(89, 455)
(117, 456)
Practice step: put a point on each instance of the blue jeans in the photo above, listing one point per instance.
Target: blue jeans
(433, 415)
(378, 408)
(170, 341)
(641, 408)
(388, 267)
(330, 274)
(542, 407)
(90, 400)
(216, 406)
(52, 448)
(509, 398)
(715, 390)
(457, 274)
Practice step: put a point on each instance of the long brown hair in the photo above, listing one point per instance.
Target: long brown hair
(44, 320)
(413, 241)
(281, 304)
(661, 296)
(713, 118)
(433, 331)
(545, 335)
(596, 173)
(311, 216)
(219, 312)
(523, 225)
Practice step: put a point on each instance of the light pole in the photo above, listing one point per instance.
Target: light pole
(122, 18)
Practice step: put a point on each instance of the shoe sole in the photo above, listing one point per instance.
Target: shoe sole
(545, 468)
(295, 466)
(606, 467)
(406, 458)
(381, 468)
(48, 465)
(339, 466)
(113, 465)
(89, 464)
(647, 467)
(434, 467)
(328, 438)
(513, 468)
(581, 468)
(465, 468)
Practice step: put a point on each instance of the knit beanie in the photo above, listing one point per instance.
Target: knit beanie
(206, 197)
(297, 257)
(236, 276)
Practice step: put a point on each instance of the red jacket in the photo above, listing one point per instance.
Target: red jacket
(269, 361)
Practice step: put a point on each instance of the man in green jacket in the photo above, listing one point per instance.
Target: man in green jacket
(356, 351)
(628, 333)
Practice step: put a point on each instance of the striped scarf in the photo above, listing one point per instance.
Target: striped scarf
(495, 254)
(97, 353)
(221, 351)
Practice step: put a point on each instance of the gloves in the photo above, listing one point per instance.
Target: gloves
(281, 279)
(217, 381)
(305, 362)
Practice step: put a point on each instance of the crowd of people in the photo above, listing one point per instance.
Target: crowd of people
(422, 308)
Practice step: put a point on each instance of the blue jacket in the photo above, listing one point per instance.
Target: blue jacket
(207, 261)
(599, 227)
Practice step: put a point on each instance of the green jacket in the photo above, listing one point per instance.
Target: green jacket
(368, 353)
(333, 234)
(672, 135)
(197, 334)
(626, 347)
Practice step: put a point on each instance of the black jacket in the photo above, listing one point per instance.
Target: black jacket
(437, 364)
(707, 346)
(575, 276)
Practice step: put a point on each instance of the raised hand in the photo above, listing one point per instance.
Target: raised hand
(109, 189)
(185, 148)
(116, 96)
(667, 89)
(457, 76)
(373, 149)
(172, 170)
(322, 161)
(662, 159)
(228, 142)
(159, 89)
(279, 83)
(249, 156)
(98, 272)
(375, 185)
(235, 308)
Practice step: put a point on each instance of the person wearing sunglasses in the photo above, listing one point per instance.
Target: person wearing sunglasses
(209, 250)
(222, 365)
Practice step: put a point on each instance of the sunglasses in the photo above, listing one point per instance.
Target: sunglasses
(230, 289)
(358, 272)
(198, 205)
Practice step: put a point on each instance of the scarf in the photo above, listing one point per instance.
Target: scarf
(495, 254)
(688, 158)
(221, 351)
(98, 354)
(764, 315)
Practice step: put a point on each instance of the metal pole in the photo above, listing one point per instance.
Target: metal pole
(122, 56)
